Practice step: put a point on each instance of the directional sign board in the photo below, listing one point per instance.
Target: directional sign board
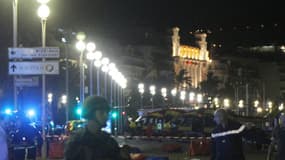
(30, 53)
(34, 68)
(27, 81)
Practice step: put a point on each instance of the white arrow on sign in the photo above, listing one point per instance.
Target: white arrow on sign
(30, 53)
(33, 68)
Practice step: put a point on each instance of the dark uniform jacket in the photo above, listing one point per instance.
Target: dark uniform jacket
(84, 145)
(279, 135)
(227, 142)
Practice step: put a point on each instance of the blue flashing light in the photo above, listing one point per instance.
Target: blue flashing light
(8, 111)
(31, 113)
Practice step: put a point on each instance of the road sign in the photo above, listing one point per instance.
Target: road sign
(33, 68)
(27, 81)
(30, 53)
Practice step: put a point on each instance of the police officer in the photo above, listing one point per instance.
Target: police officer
(25, 140)
(226, 138)
(91, 142)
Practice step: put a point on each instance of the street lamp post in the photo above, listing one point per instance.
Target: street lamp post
(240, 106)
(173, 93)
(270, 105)
(90, 56)
(105, 69)
(152, 92)
(226, 103)
(112, 70)
(98, 63)
(141, 90)
(43, 13)
(183, 96)
(164, 93)
(216, 102)
(80, 45)
(15, 40)
(199, 99)
(64, 103)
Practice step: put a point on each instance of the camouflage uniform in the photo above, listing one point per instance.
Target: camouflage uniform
(83, 145)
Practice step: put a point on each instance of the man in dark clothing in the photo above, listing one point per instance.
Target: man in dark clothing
(226, 138)
(26, 140)
(91, 143)
(279, 137)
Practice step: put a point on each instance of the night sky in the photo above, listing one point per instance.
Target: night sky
(122, 15)
(229, 22)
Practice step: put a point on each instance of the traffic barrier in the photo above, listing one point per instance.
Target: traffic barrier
(173, 147)
(56, 150)
(200, 146)
(56, 146)
(163, 138)
(157, 158)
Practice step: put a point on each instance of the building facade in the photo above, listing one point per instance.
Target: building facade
(190, 63)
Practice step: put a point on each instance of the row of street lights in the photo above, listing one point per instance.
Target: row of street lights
(152, 89)
(198, 98)
(96, 59)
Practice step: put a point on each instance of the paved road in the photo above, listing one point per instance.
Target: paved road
(154, 148)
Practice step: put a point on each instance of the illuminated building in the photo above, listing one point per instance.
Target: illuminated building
(190, 61)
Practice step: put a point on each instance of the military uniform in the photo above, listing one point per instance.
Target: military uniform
(84, 145)
(227, 142)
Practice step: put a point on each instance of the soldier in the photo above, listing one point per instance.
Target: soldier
(227, 138)
(91, 142)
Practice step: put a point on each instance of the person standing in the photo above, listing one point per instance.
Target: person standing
(279, 137)
(3, 139)
(91, 142)
(227, 138)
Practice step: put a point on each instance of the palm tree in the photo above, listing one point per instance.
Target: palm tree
(181, 79)
(210, 85)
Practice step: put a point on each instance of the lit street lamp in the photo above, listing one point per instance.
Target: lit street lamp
(152, 92)
(199, 98)
(105, 69)
(43, 13)
(226, 102)
(256, 103)
(50, 95)
(111, 72)
(141, 90)
(191, 96)
(270, 105)
(80, 45)
(259, 109)
(91, 56)
(173, 93)
(240, 103)
(216, 102)
(98, 63)
(281, 107)
(182, 96)
(164, 93)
